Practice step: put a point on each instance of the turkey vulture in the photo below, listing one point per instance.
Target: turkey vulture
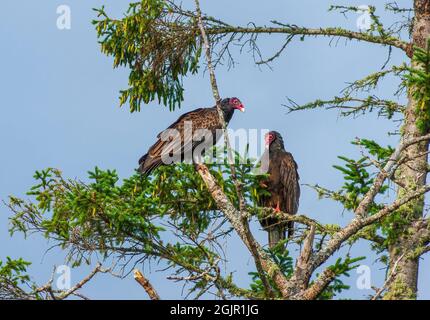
(184, 143)
(283, 186)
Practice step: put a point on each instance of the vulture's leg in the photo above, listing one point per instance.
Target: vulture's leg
(277, 230)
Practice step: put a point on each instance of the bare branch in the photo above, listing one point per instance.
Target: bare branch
(301, 272)
(81, 283)
(302, 31)
(138, 276)
(385, 107)
(319, 285)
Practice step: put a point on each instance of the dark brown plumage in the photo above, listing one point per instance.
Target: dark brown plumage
(283, 186)
(202, 118)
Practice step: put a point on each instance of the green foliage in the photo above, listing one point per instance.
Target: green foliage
(343, 266)
(14, 271)
(382, 154)
(334, 288)
(357, 180)
(357, 177)
(418, 82)
(106, 215)
(281, 256)
(157, 46)
(340, 268)
(168, 216)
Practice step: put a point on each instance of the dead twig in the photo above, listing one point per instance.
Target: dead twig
(138, 276)
(389, 279)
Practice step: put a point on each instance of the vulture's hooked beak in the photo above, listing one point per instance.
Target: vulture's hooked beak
(240, 108)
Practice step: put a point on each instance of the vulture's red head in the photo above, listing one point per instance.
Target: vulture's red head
(232, 103)
(273, 138)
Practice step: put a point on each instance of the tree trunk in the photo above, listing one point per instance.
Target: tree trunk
(413, 175)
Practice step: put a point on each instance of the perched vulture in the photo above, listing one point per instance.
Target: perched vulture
(186, 126)
(283, 186)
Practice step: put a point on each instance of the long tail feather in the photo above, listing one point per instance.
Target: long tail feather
(290, 229)
(276, 234)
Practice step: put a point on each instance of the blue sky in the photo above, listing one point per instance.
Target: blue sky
(60, 109)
